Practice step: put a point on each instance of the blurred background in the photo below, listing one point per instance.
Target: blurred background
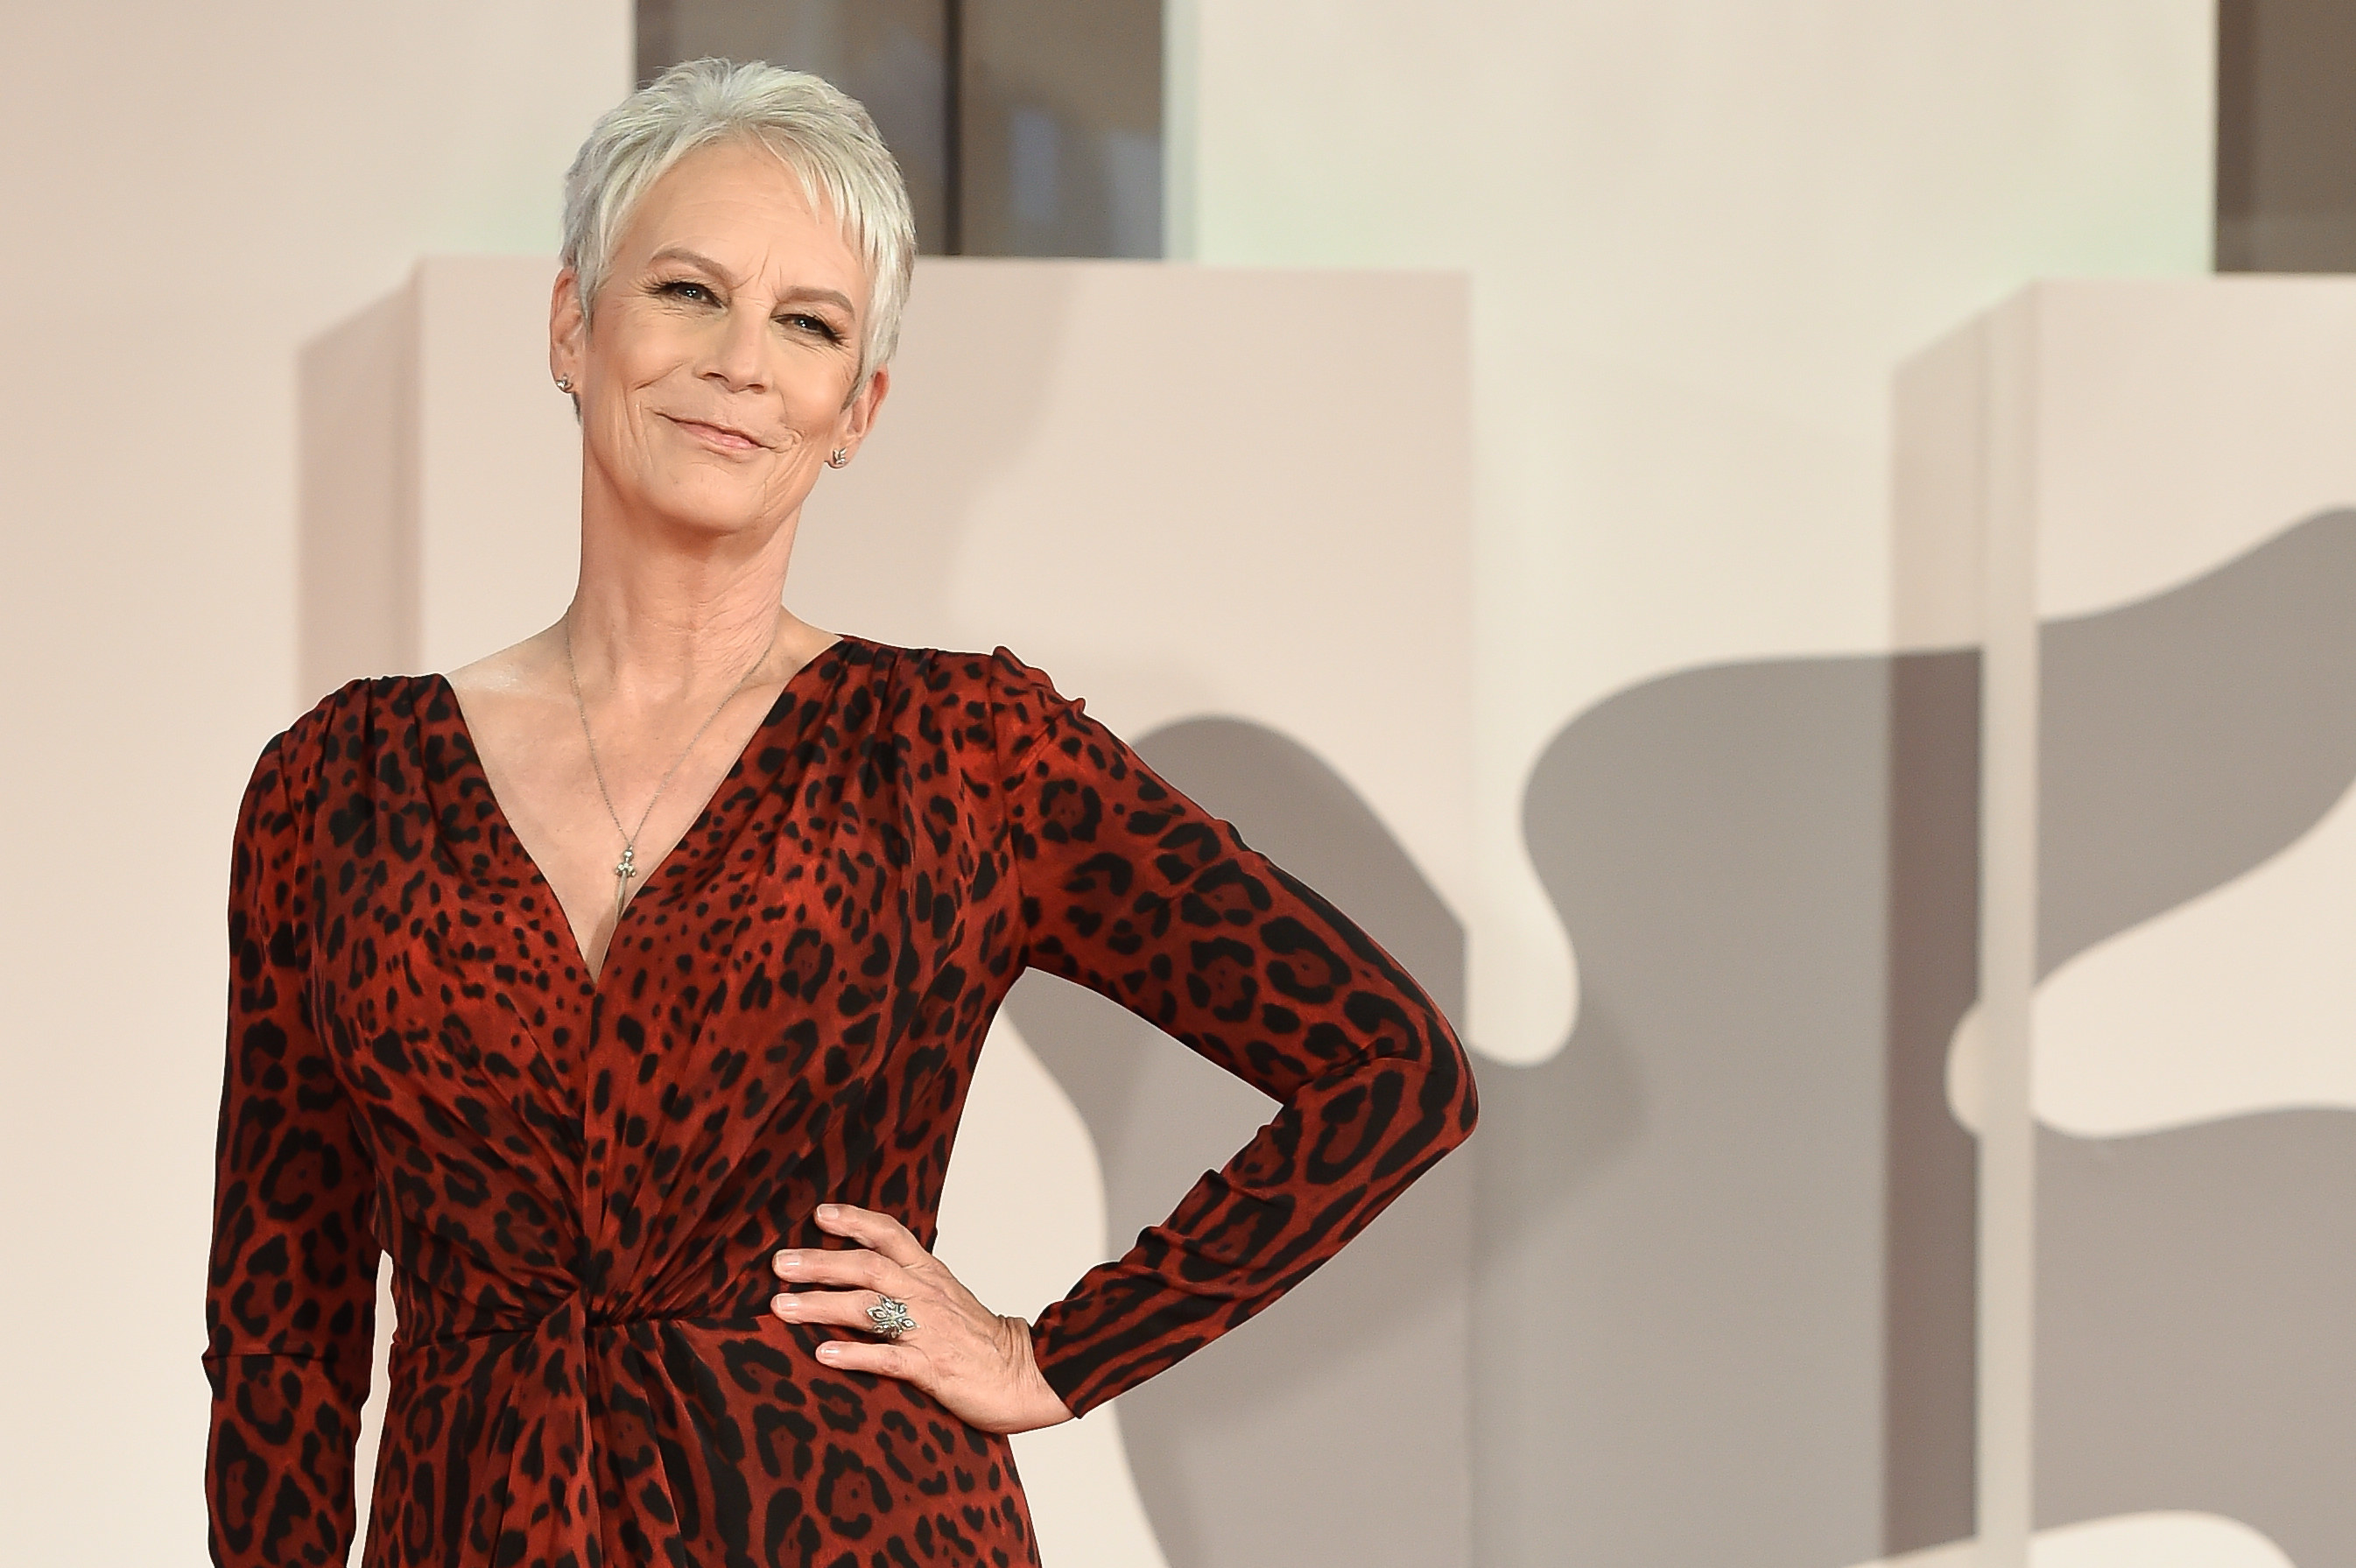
(1793, 557)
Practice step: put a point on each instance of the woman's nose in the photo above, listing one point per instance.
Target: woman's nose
(737, 355)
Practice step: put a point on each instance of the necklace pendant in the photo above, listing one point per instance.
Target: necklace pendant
(624, 869)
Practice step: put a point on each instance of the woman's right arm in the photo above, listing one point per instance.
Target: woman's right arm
(290, 1295)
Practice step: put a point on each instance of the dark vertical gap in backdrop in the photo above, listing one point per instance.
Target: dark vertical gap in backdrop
(1024, 127)
(2285, 136)
(1930, 1192)
(653, 39)
(888, 54)
(2237, 89)
(953, 127)
(1061, 128)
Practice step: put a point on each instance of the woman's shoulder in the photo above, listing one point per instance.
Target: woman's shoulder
(1000, 673)
(350, 722)
(996, 698)
(994, 704)
(367, 704)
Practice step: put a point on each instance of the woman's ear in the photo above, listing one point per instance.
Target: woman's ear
(861, 411)
(566, 326)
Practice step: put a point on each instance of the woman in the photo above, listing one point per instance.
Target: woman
(625, 985)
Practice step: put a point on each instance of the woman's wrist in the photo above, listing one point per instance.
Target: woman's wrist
(1041, 1405)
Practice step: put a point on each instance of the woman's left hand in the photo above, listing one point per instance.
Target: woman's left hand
(978, 1364)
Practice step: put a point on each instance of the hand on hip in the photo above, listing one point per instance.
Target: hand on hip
(916, 1322)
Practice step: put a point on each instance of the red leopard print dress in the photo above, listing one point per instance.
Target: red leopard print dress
(580, 1183)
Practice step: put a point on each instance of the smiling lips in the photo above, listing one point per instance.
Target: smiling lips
(725, 437)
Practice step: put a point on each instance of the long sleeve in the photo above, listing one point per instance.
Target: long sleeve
(1130, 888)
(289, 1294)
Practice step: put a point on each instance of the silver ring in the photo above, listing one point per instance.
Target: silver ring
(890, 1317)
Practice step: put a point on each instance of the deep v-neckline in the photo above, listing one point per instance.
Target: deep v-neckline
(780, 710)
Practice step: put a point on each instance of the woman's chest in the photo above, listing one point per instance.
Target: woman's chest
(828, 922)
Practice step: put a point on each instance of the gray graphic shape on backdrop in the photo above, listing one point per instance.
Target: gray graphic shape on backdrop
(1736, 1201)
(2195, 1284)
(1739, 1188)
(1332, 1430)
(2194, 1293)
(2189, 736)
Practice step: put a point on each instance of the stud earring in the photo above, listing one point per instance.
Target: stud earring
(838, 458)
(564, 384)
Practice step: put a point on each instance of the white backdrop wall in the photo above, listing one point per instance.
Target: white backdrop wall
(1702, 233)
(191, 194)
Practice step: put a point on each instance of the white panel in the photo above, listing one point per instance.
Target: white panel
(2008, 911)
(498, 517)
(1183, 491)
(1178, 491)
(2135, 437)
(2178, 426)
(2241, 1001)
(2155, 1541)
(2185, 421)
(1939, 492)
(2127, 1541)
(2184, 424)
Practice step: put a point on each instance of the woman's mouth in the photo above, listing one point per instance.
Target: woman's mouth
(721, 436)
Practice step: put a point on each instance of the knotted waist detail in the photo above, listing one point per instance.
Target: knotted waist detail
(561, 1417)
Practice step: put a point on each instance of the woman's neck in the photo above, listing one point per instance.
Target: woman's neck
(654, 618)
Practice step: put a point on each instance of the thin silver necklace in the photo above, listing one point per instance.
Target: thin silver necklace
(628, 867)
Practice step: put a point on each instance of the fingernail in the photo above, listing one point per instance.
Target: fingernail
(780, 1304)
(828, 1211)
(828, 1351)
(789, 1261)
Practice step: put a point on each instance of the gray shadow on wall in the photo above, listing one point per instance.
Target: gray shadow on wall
(2189, 736)
(1734, 1217)
(2194, 1290)
(2194, 1284)
(1333, 1430)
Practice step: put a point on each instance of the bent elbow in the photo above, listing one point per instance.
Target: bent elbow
(1464, 1114)
(1449, 1091)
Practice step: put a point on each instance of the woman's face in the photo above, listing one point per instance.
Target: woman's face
(715, 371)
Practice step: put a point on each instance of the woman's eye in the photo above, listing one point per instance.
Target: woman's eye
(817, 324)
(683, 289)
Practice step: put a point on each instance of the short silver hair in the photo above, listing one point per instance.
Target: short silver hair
(821, 133)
